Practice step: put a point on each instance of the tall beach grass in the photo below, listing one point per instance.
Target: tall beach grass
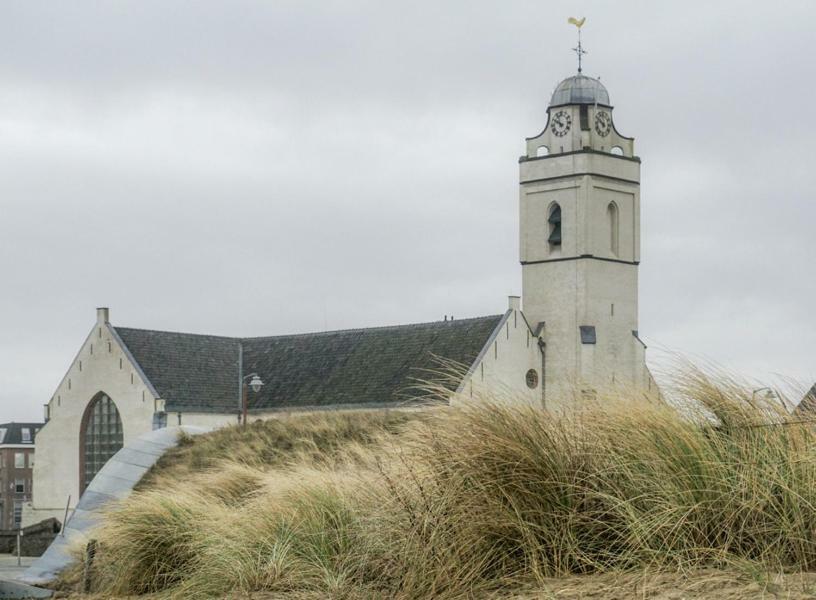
(472, 500)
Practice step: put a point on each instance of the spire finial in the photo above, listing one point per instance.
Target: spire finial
(579, 50)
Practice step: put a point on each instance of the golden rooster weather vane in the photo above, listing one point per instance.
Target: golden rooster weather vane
(579, 50)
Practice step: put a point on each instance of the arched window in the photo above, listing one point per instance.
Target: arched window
(542, 151)
(617, 151)
(612, 225)
(100, 437)
(555, 226)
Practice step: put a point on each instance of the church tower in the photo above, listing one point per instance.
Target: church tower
(580, 245)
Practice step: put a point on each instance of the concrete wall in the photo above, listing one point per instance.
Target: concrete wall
(101, 365)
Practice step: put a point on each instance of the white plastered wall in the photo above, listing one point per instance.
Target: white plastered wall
(499, 373)
(201, 419)
(586, 280)
(101, 365)
(577, 139)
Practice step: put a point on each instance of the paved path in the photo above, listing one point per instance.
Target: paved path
(9, 568)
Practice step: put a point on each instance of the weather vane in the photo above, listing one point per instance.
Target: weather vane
(579, 50)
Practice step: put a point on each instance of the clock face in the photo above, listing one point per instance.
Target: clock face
(561, 122)
(603, 123)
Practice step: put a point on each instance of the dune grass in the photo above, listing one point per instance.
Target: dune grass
(470, 501)
(316, 438)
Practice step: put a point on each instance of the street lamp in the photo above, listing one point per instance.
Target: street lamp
(769, 395)
(256, 384)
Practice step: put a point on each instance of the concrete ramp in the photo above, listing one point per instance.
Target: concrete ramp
(114, 481)
(13, 589)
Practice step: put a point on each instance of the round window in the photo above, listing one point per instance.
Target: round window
(532, 378)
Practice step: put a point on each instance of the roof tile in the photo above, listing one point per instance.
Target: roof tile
(357, 367)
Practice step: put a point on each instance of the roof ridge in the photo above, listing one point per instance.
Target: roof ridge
(375, 328)
(201, 335)
(310, 333)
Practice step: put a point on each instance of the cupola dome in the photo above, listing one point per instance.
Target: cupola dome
(580, 89)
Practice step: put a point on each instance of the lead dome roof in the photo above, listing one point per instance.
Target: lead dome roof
(580, 89)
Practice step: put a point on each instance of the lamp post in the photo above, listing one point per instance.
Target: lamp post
(256, 384)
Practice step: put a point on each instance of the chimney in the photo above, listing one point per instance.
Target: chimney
(102, 315)
(514, 302)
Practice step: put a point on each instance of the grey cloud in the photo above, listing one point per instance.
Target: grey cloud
(256, 167)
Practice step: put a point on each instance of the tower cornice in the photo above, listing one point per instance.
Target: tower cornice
(523, 159)
(579, 175)
(580, 257)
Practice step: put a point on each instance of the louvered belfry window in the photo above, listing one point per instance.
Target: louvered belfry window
(555, 226)
(103, 436)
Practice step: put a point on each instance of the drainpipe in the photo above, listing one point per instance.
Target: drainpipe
(241, 386)
(542, 346)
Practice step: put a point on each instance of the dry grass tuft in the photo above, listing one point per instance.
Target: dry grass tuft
(472, 501)
(316, 438)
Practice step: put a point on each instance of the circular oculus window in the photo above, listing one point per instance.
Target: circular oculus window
(532, 378)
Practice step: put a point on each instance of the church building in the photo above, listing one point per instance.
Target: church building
(572, 333)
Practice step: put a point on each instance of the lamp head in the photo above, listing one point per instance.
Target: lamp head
(256, 383)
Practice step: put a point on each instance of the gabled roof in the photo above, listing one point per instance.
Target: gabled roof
(187, 370)
(355, 367)
(12, 433)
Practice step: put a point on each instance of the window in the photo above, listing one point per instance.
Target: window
(532, 379)
(25, 433)
(588, 335)
(19, 460)
(18, 515)
(19, 486)
(3, 431)
(612, 224)
(555, 227)
(542, 151)
(101, 437)
(617, 151)
(584, 117)
(159, 420)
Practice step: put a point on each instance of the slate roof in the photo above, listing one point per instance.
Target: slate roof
(12, 433)
(808, 403)
(360, 367)
(189, 371)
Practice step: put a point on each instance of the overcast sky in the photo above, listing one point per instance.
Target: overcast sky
(254, 168)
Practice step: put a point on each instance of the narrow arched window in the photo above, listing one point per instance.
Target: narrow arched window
(613, 227)
(101, 436)
(555, 226)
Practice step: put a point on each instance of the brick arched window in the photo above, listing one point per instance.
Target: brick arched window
(100, 437)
